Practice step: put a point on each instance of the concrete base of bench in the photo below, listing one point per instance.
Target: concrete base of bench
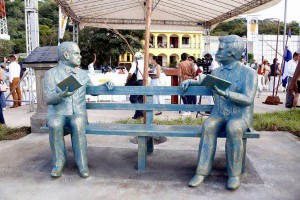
(146, 133)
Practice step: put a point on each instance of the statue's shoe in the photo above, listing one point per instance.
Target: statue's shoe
(233, 182)
(196, 180)
(57, 171)
(84, 172)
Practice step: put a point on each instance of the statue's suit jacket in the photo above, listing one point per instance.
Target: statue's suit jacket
(241, 92)
(75, 104)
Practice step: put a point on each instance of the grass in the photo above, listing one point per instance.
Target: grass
(178, 121)
(277, 121)
(7, 133)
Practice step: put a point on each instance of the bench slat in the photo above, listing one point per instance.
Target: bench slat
(153, 130)
(148, 90)
(162, 107)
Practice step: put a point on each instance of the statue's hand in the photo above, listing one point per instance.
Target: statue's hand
(184, 85)
(66, 93)
(221, 92)
(110, 85)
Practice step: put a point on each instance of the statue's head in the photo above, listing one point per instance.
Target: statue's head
(69, 54)
(230, 49)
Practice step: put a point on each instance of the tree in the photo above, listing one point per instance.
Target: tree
(239, 27)
(6, 47)
(106, 44)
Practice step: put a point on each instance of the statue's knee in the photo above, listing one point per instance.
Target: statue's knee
(209, 126)
(234, 129)
(55, 123)
(78, 121)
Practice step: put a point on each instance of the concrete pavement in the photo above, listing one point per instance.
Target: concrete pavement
(272, 166)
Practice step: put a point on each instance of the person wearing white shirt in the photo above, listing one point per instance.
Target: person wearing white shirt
(289, 72)
(138, 70)
(91, 66)
(14, 80)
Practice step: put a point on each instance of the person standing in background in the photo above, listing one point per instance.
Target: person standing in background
(91, 66)
(155, 81)
(275, 72)
(137, 68)
(290, 70)
(186, 71)
(2, 121)
(14, 80)
(2, 96)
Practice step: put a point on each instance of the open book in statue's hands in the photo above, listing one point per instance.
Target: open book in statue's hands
(211, 81)
(71, 83)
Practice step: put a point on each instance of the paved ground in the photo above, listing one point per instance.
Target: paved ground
(272, 166)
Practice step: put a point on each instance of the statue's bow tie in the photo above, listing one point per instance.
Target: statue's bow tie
(71, 70)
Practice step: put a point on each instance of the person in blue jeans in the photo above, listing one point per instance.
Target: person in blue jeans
(137, 68)
(1, 94)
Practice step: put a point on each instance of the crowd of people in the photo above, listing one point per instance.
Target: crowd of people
(270, 75)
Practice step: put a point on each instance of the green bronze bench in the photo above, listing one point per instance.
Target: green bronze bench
(146, 132)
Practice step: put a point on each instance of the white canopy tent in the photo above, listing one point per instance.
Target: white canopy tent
(166, 14)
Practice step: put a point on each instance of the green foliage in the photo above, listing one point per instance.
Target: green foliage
(250, 57)
(234, 27)
(239, 27)
(5, 48)
(106, 44)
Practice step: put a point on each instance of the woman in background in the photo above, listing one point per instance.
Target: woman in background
(155, 81)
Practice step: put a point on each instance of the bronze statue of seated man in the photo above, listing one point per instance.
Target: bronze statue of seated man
(67, 109)
(233, 112)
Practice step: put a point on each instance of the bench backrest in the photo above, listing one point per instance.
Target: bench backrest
(148, 105)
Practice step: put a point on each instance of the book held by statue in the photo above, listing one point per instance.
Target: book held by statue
(70, 82)
(210, 81)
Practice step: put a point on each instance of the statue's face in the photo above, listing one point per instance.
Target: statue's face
(224, 53)
(74, 56)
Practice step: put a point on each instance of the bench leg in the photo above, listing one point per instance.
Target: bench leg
(150, 146)
(142, 153)
(244, 154)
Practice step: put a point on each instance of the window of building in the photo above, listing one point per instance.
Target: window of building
(185, 40)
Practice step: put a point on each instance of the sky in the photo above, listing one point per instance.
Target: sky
(277, 11)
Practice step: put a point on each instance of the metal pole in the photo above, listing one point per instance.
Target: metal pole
(262, 49)
(147, 41)
(275, 67)
(59, 20)
(284, 30)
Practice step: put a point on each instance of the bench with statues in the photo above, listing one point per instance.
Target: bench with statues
(146, 132)
(233, 86)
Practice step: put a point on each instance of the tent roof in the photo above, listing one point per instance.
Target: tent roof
(166, 15)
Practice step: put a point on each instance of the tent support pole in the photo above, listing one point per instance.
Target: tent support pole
(146, 55)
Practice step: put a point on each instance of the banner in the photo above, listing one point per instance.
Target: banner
(252, 28)
(62, 24)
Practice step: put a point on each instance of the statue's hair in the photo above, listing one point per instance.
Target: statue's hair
(235, 43)
(65, 47)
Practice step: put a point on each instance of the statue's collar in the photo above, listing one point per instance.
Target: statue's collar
(230, 66)
(68, 70)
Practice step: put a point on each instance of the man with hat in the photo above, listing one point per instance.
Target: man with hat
(14, 79)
